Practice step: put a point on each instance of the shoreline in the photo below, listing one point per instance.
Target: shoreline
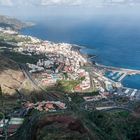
(79, 59)
(79, 49)
(100, 60)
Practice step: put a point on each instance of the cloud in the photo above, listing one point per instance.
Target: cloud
(70, 2)
(19, 3)
(6, 3)
(46, 2)
(59, 2)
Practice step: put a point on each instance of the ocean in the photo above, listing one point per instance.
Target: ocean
(115, 40)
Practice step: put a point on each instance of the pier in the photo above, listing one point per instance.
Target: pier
(122, 77)
(131, 93)
(115, 69)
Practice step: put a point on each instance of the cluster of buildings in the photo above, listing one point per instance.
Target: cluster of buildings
(63, 61)
(8, 31)
(94, 98)
(103, 84)
(85, 83)
(50, 79)
(60, 58)
(132, 94)
(48, 106)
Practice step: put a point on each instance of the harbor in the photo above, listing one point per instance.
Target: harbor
(120, 75)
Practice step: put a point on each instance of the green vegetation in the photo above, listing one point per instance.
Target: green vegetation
(13, 38)
(1, 100)
(101, 125)
(65, 75)
(120, 114)
(1, 116)
(93, 93)
(77, 98)
(67, 86)
(122, 126)
(20, 58)
(56, 131)
(9, 104)
(58, 126)
(115, 125)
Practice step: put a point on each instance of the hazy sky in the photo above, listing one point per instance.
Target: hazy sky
(59, 2)
(29, 8)
(46, 2)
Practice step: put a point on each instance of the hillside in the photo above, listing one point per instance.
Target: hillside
(94, 125)
(12, 23)
(56, 112)
(11, 76)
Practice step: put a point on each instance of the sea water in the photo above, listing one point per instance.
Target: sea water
(115, 40)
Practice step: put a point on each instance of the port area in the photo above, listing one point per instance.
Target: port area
(115, 78)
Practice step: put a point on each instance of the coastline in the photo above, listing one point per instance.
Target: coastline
(108, 50)
(79, 49)
(77, 60)
(91, 58)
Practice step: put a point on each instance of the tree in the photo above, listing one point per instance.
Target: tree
(1, 97)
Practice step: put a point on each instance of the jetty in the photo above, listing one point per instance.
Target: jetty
(117, 69)
(122, 77)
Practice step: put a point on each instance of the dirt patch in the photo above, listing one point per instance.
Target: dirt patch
(11, 77)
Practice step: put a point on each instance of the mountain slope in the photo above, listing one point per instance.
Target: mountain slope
(12, 23)
(11, 77)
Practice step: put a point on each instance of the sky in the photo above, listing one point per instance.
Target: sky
(40, 8)
(60, 2)
(45, 2)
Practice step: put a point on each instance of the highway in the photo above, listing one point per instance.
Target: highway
(51, 96)
(35, 83)
(111, 108)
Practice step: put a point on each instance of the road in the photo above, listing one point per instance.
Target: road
(111, 108)
(103, 78)
(51, 96)
(36, 84)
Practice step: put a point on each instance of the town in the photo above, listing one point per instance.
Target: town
(64, 62)
(64, 67)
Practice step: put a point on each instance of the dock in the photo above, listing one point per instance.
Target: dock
(133, 93)
(127, 90)
(122, 77)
